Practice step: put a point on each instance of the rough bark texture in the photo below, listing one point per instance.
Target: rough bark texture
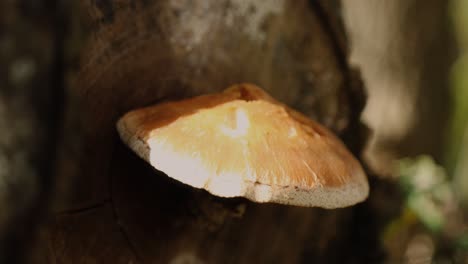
(119, 210)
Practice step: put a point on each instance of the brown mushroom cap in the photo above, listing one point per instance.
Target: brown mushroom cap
(242, 142)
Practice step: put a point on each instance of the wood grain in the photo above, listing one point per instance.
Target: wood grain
(139, 52)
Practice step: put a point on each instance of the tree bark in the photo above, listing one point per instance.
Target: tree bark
(117, 209)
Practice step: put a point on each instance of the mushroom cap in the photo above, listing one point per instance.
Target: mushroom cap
(242, 142)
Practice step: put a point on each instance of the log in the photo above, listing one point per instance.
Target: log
(140, 52)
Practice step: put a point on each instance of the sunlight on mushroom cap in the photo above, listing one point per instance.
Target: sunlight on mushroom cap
(242, 142)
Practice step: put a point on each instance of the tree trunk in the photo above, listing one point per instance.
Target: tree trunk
(117, 209)
(405, 67)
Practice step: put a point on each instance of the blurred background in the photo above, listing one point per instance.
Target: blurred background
(413, 59)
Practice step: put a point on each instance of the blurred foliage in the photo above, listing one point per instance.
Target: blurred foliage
(431, 227)
(427, 189)
(457, 155)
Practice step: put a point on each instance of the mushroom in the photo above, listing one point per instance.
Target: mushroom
(242, 142)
